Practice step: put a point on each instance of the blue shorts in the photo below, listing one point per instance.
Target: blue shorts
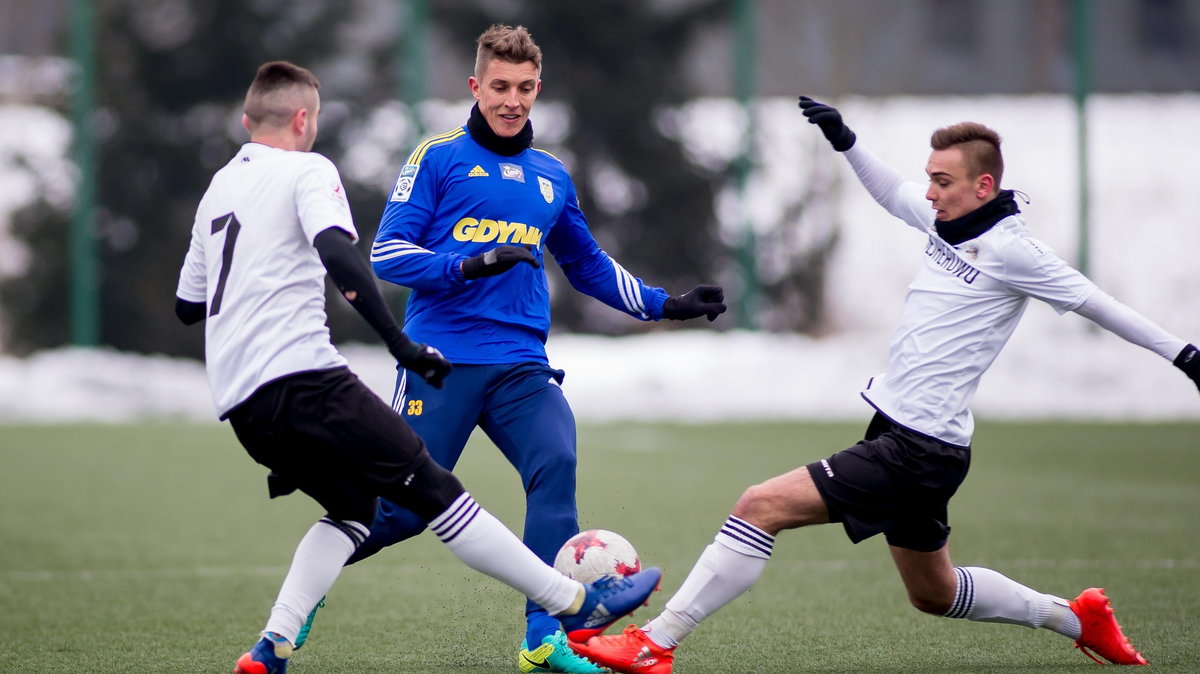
(523, 411)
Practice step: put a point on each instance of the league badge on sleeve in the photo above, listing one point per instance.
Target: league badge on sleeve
(404, 184)
(547, 189)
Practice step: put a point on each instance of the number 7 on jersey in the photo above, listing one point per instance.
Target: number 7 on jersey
(229, 223)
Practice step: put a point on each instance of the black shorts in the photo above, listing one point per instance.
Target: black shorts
(896, 482)
(328, 435)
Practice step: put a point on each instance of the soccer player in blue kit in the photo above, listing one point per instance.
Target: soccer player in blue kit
(272, 223)
(466, 227)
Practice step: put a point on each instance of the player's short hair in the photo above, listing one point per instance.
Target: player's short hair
(506, 43)
(279, 89)
(979, 144)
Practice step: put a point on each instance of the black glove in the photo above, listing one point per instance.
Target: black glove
(497, 261)
(1188, 360)
(830, 121)
(426, 361)
(702, 300)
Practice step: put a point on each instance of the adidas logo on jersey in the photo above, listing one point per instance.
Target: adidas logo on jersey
(477, 172)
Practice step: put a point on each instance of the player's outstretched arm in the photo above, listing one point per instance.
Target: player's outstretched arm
(830, 120)
(903, 199)
(353, 278)
(1188, 360)
(703, 300)
(1123, 321)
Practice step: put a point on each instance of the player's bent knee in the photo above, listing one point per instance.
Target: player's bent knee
(428, 490)
(758, 507)
(786, 501)
(931, 605)
(754, 499)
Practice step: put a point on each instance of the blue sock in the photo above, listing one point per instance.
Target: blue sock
(539, 624)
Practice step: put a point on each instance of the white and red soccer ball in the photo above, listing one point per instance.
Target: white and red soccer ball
(596, 553)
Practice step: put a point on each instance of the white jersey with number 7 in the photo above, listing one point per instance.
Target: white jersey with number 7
(252, 262)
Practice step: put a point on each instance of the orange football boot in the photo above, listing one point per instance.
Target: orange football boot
(631, 652)
(1100, 632)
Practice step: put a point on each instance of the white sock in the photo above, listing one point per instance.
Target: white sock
(986, 596)
(729, 566)
(315, 566)
(486, 545)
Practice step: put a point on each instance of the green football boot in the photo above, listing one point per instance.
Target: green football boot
(554, 655)
(303, 635)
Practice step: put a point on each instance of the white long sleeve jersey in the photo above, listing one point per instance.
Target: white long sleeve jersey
(965, 303)
(252, 262)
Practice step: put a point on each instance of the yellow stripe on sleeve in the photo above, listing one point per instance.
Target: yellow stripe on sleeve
(418, 153)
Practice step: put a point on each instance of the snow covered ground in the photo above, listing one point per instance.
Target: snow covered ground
(1145, 239)
(689, 376)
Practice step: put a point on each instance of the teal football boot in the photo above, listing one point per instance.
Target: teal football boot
(307, 627)
(554, 655)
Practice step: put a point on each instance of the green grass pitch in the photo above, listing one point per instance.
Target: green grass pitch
(154, 548)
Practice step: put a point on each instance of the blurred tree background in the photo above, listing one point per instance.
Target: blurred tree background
(623, 79)
(170, 78)
(171, 75)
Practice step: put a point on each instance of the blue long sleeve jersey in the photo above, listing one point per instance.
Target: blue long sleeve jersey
(454, 199)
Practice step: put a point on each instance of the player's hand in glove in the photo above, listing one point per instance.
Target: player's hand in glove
(497, 261)
(701, 301)
(830, 120)
(424, 360)
(1188, 360)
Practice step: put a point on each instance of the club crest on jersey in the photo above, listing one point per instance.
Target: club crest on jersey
(404, 184)
(547, 189)
(512, 172)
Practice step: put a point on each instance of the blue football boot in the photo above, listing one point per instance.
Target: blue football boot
(607, 600)
(269, 656)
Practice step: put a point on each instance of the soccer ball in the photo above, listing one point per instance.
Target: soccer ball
(596, 553)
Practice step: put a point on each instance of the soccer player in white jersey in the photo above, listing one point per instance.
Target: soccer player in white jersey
(980, 268)
(273, 221)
